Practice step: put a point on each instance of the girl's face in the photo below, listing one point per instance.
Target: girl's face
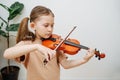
(44, 26)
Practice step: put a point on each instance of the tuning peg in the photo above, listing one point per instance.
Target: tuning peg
(99, 58)
(97, 53)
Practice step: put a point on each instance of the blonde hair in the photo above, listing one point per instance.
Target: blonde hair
(23, 31)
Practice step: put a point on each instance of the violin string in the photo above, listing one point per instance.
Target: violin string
(65, 38)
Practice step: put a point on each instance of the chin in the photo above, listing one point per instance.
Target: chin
(46, 37)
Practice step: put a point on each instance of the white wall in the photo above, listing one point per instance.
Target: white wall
(98, 25)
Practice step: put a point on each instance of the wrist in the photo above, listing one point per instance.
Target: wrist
(39, 47)
(86, 59)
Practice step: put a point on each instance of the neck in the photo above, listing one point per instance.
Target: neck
(38, 40)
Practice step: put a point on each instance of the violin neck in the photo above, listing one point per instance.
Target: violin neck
(76, 45)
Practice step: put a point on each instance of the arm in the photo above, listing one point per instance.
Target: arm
(22, 49)
(19, 50)
(74, 63)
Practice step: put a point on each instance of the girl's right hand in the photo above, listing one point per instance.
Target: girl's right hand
(47, 52)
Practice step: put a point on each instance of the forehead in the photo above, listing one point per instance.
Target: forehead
(45, 18)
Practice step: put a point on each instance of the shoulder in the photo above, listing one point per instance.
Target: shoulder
(24, 43)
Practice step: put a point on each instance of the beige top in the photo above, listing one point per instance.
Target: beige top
(37, 70)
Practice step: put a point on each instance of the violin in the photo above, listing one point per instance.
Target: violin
(69, 46)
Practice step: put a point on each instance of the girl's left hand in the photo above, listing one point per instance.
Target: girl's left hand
(89, 54)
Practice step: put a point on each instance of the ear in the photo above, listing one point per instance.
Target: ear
(32, 25)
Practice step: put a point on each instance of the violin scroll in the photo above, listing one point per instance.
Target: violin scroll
(99, 55)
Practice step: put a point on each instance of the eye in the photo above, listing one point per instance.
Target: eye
(52, 25)
(46, 25)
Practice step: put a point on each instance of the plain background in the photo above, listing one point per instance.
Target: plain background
(98, 26)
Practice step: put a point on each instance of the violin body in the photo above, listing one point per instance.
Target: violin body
(54, 40)
(69, 46)
(71, 50)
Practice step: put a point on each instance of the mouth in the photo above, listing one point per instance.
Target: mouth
(48, 35)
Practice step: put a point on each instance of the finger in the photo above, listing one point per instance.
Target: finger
(46, 57)
(54, 52)
(91, 50)
(51, 56)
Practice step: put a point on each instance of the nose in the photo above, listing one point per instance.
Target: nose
(50, 28)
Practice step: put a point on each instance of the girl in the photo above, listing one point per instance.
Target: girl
(31, 53)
